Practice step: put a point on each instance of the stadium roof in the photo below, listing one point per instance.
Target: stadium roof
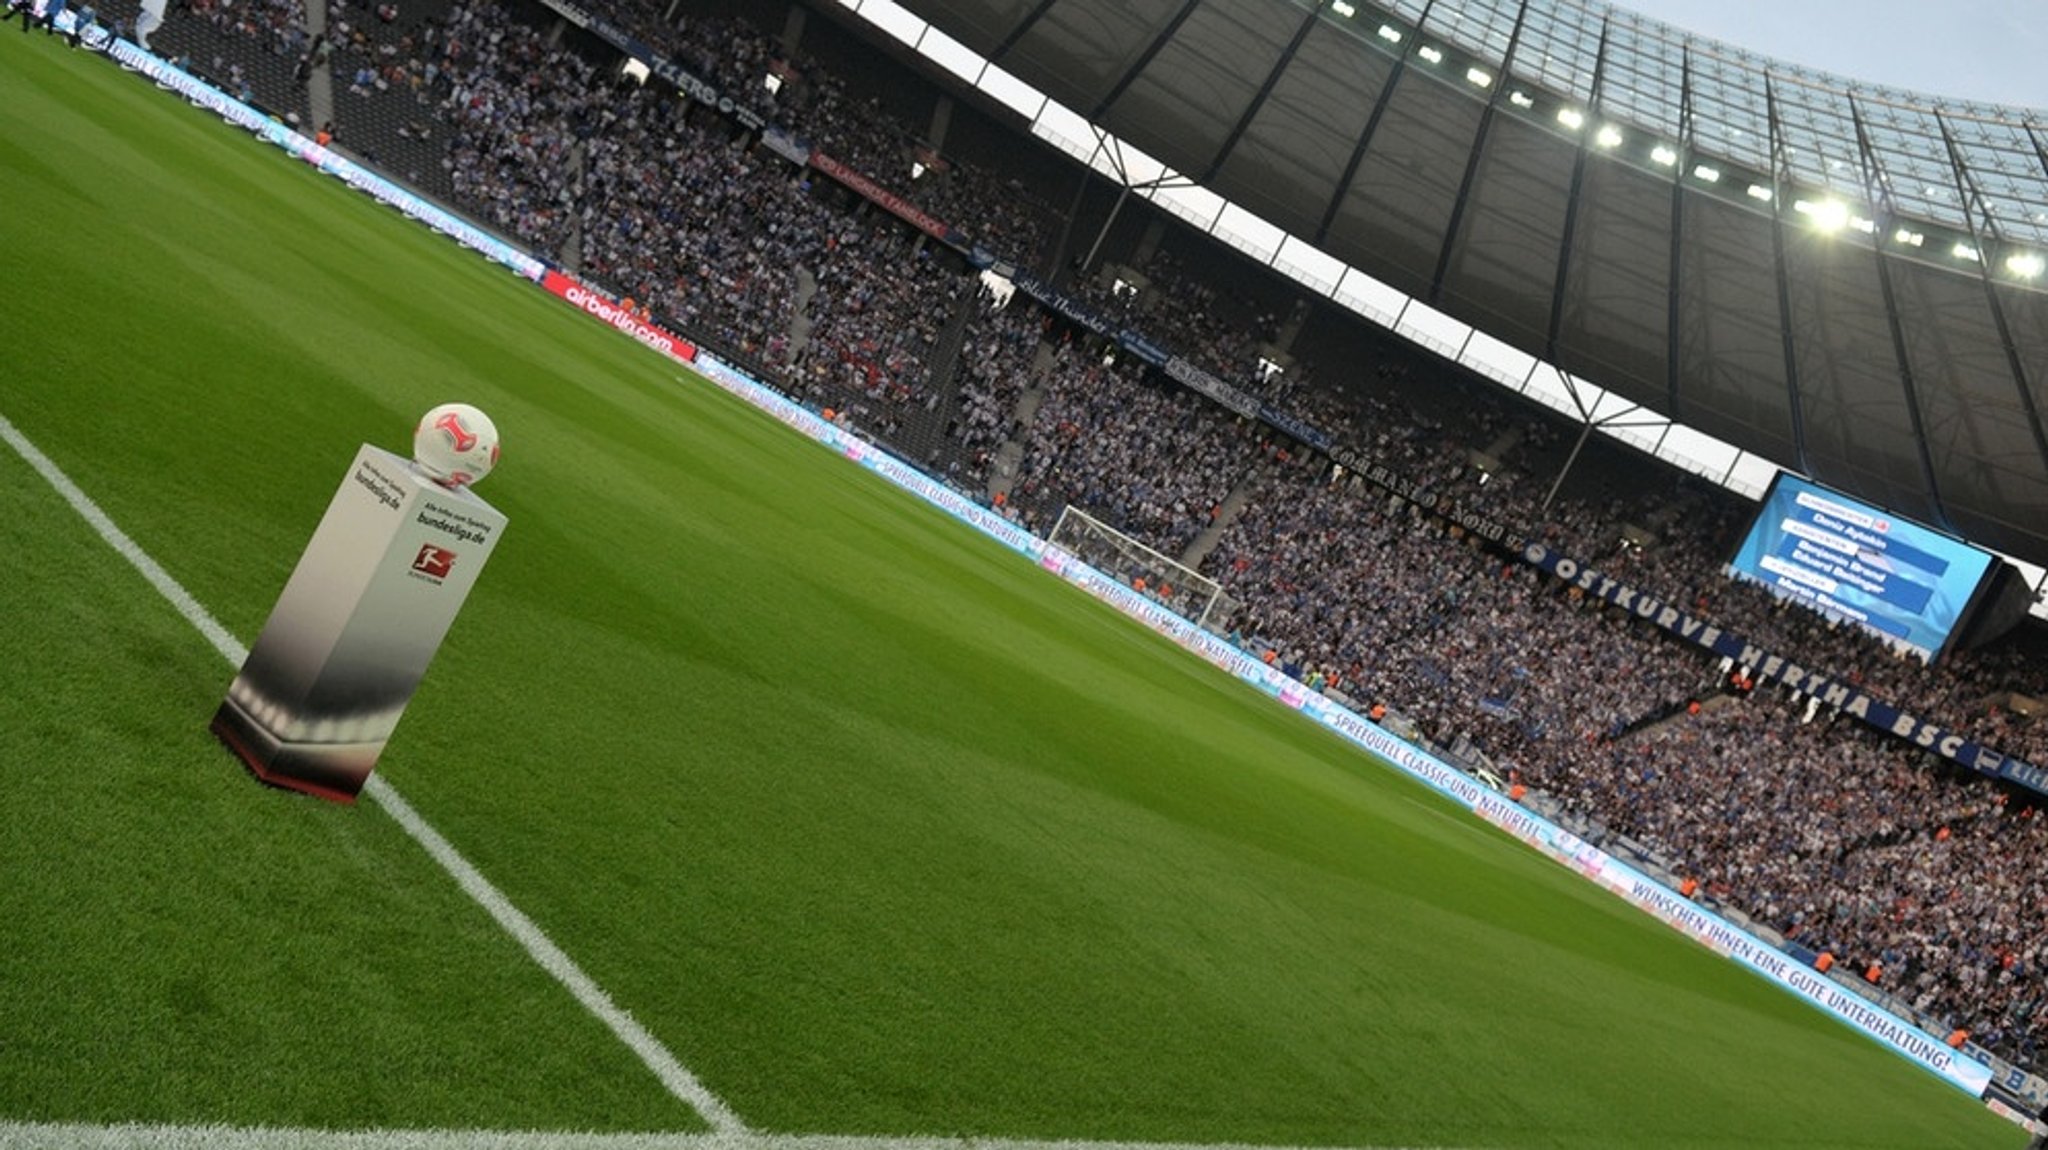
(1842, 278)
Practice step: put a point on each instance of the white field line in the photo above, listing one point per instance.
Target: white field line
(64, 1136)
(673, 1075)
(230, 647)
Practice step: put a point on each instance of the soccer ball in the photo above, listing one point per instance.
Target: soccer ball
(456, 444)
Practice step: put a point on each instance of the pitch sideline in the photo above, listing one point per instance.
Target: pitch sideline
(674, 1076)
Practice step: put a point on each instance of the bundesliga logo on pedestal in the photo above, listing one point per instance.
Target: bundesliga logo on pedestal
(327, 679)
(456, 444)
(434, 562)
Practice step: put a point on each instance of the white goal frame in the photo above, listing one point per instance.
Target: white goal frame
(1184, 590)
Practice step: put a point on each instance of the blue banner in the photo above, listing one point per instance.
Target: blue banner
(1057, 301)
(1190, 376)
(685, 81)
(1842, 696)
(1143, 348)
(1289, 424)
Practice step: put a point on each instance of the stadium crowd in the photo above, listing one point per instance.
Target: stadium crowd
(998, 366)
(1929, 881)
(1131, 451)
(1842, 838)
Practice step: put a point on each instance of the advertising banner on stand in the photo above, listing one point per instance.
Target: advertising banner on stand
(359, 620)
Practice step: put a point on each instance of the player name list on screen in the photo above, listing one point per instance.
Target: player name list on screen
(1906, 582)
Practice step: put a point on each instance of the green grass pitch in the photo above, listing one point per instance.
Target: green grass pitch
(879, 829)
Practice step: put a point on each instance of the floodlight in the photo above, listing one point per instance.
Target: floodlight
(1963, 251)
(1390, 34)
(1521, 99)
(1343, 9)
(1711, 175)
(1430, 54)
(1760, 193)
(1827, 215)
(2025, 264)
(1609, 136)
(1571, 118)
(1908, 237)
(1664, 155)
(1479, 76)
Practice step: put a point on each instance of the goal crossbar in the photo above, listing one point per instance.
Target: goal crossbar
(1186, 591)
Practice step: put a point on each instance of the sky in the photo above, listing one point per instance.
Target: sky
(1991, 50)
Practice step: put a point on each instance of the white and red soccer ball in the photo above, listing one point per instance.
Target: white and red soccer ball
(456, 444)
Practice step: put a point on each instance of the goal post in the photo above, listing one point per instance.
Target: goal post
(1180, 588)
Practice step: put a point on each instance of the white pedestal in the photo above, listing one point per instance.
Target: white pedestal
(356, 626)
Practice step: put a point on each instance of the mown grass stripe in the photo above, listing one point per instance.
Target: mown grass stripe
(674, 1076)
(230, 647)
(133, 1136)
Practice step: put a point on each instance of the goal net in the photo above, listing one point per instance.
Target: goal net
(1185, 591)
